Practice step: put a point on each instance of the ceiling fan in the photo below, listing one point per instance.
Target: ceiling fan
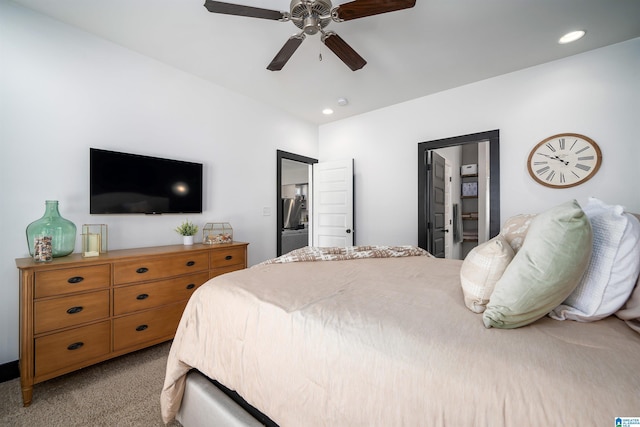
(312, 16)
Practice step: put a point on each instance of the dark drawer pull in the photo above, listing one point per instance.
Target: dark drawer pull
(142, 328)
(142, 296)
(228, 257)
(191, 286)
(190, 263)
(75, 279)
(75, 345)
(74, 310)
(142, 270)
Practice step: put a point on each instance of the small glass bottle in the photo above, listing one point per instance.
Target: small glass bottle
(61, 231)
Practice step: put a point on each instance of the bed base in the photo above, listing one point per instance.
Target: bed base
(207, 402)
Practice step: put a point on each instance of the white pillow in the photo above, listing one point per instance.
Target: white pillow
(613, 268)
(481, 269)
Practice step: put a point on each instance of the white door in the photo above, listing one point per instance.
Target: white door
(332, 204)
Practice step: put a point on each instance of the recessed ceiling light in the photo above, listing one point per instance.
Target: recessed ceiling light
(571, 37)
(327, 111)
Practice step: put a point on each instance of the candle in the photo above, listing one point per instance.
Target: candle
(94, 242)
(93, 245)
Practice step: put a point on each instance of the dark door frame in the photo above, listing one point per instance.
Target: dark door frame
(279, 220)
(493, 136)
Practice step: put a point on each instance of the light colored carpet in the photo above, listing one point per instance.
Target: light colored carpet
(124, 391)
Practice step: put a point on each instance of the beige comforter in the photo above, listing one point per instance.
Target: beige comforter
(389, 342)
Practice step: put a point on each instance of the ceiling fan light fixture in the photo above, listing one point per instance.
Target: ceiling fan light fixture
(311, 25)
(572, 36)
(312, 16)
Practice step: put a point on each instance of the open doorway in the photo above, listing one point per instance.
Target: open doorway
(474, 196)
(315, 203)
(292, 201)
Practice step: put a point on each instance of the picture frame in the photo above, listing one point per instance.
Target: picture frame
(470, 189)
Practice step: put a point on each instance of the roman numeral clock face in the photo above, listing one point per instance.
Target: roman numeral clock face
(564, 160)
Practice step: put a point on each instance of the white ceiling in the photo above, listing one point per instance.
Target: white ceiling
(437, 45)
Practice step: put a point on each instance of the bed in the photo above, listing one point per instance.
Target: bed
(386, 336)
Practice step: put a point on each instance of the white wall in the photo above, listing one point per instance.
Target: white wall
(63, 91)
(596, 94)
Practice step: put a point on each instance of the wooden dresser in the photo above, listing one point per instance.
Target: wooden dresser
(77, 311)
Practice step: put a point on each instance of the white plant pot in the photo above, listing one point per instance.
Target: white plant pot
(187, 240)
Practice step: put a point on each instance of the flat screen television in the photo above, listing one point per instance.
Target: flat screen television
(122, 183)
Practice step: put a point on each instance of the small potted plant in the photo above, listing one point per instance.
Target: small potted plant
(187, 230)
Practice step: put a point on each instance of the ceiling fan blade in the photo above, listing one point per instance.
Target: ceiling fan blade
(286, 52)
(361, 8)
(240, 10)
(345, 52)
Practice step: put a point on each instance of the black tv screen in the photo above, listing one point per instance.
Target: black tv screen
(122, 183)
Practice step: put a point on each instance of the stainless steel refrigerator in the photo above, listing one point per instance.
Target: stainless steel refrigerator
(291, 211)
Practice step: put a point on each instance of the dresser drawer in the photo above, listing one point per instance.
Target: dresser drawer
(147, 326)
(229, 269)
(127, 299)
(159, 267)
(57, 351)
(226, 257)
(70, 310)
(68, 280)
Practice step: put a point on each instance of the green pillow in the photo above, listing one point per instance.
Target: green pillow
(545, 271)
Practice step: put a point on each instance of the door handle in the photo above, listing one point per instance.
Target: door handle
(348, 230)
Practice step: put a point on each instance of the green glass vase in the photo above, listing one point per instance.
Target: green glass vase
(61, 231)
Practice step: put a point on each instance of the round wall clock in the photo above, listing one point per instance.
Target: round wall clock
(564, 160)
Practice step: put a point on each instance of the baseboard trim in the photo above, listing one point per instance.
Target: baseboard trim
(9, 371)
